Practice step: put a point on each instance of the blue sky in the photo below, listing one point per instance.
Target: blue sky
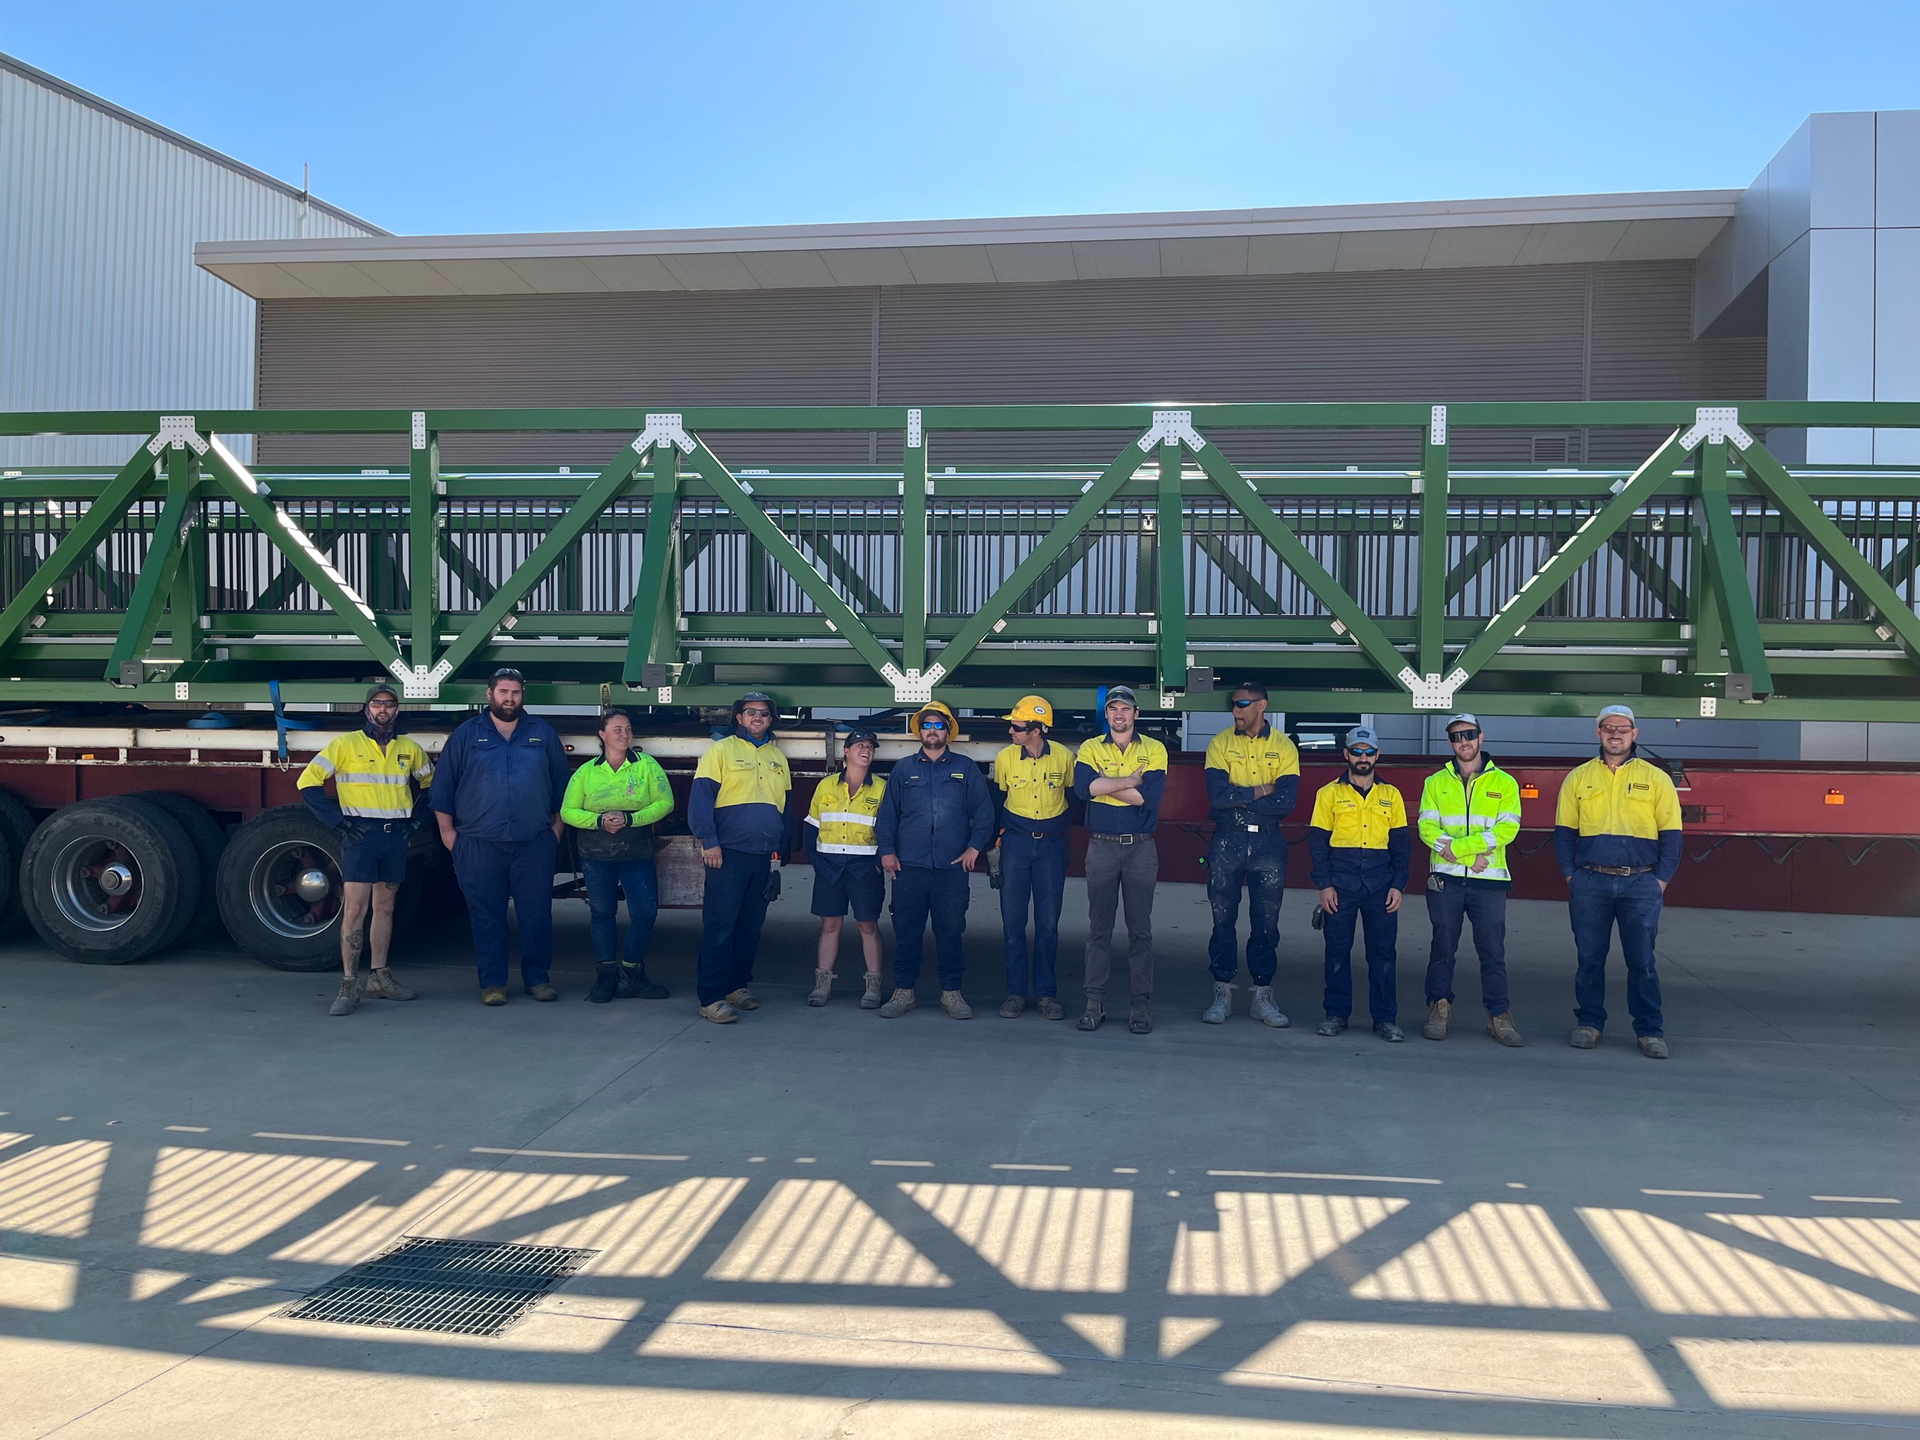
(431, 118)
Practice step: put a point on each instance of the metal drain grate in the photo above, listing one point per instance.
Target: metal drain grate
(452, 1287)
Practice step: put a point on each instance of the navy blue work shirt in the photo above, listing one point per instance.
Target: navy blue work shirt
(933, 810)
(497, 788)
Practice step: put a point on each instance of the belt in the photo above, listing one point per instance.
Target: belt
(1619, 869)
(1119, 839)
(1254, 829)
(388, 826)
(1041, 834)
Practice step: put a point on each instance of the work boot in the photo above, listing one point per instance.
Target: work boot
(1265, 1011)
(1222, 1006)
(1011, 1007)
(822, 988)
(955, 1004)
(543, 991)
(1500, 1027)
(719, 1012)
(606, 982)
(1654, 1047)
(903, 1000)
(382, 986)
(635, 984)
(1050, 1008)
(1332, 1025)
(1096, 1012)
(1438, 1013)
(347, 999)
(1140, 1020)
(493, 995)
(1390, 1032)
(871, 1000)
(1584, 1037)
(742, 999)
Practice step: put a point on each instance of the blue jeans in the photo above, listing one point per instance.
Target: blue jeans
(1240, 858)
(1368, 907)
(1449, 908)
(1032, 871)
(731, 914)
(605, 880)
(919, 892)
(1596, 903)
(492, 872)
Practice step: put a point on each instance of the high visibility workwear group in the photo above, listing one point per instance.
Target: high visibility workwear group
(503, 790)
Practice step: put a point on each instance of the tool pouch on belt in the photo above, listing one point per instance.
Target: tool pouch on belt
(1436, 881)
(630, 842)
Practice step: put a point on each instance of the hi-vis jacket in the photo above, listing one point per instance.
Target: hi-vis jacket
(843, 822)
(373, 784)
(1624, 817)
(1359, 841)
(740, 795)
(1474, 817)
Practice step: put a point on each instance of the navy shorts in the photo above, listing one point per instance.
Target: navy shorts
(850, 880)
(376, 855)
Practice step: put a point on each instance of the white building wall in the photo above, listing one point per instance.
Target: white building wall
(101, 306)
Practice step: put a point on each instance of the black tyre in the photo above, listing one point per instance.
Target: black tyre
(279, 890)
(209, 843)
(16, 828)
(106, 882)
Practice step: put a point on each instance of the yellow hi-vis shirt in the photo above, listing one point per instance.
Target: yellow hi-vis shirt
(845, 820)
(1617, 817)
(372, 784)
(1036, 789)
(1251, 760)
(1356, 821)
(1109, 761)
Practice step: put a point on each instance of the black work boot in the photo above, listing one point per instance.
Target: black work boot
(606, 982)
(634, 984)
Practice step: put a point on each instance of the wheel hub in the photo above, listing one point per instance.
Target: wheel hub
(313, 886)
(116, 879)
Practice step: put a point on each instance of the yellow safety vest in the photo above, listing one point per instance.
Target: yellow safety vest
(845, 821)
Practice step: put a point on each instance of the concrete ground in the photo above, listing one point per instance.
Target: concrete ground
(819, 1223)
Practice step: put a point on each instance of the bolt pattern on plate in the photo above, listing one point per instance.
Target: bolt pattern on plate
(452, 1287)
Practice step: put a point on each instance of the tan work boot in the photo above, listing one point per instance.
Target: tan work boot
(382, 986)
(494, 995)
(955, 1004)
(1012, 1006)
(1261, 1007)
(1438, 1013)
(871, 1000)
(719, 1012)
(742, 999)
(1500, 1027)
(347, 999)
(1654, 1047)
(1584, 1037)
(902, 1001)
(1050, 1008)
(822, 988)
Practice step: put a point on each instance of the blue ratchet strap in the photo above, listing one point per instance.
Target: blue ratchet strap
(279, 716)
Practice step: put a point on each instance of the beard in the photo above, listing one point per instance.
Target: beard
(508, 712)
(1362, 768)
(937, 744)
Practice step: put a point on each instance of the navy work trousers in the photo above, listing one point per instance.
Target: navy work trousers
(492, 872)
(1033, 875)
(1596, 903)
(920, 893)
(1368, 908)
(1237, 859)
(1449, 908)
(732, 913)
(606, 879)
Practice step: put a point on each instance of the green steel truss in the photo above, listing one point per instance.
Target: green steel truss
(1707, 579)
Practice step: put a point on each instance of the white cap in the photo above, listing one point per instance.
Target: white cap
(1463, 718)
(1615, 710)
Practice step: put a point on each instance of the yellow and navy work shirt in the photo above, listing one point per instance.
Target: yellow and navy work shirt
(1100, 757)
(1236, 763)
(371, 783)
(740, 796)
(1034, 790)
(1626, 817)
(1359, 839)
(843, 820)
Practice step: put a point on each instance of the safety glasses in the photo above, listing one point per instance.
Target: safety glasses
(1363, 754)
(1243, 704)
(757, 712)
(509, 673)
(1456, 736)
(1027, 728)
(933, 724)
(1616, 730)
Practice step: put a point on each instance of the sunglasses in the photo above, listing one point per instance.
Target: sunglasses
(1028, 726)
(1456, 736)
(755, 710)
(933, 724)
(1242, 704)
(1363, 754)
(509, 674)
(1616, 729)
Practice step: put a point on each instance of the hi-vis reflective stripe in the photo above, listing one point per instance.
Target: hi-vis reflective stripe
(825, 849)
(357, 778)
(845, 817)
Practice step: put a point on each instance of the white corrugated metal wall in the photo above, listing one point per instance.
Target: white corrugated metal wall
(101, 306)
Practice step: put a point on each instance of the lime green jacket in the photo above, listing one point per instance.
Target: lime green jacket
(638, 787)
(1476, 817)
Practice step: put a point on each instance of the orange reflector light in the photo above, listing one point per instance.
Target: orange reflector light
(1835, 797)
(1529, 792)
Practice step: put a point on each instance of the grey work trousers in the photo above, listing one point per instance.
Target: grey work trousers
(1119, 873)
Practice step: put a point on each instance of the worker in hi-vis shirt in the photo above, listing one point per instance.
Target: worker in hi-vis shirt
(1033, 778)
(1616, 835)
(1362, 849)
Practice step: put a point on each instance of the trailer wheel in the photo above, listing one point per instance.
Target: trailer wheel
(106, 882)
(209, 842)
(16, 828)
(279, 890)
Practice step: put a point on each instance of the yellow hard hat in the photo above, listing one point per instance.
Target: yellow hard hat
(934, 707)
(1032, 708)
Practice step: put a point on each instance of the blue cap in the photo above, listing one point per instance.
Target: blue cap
(1362, 735)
